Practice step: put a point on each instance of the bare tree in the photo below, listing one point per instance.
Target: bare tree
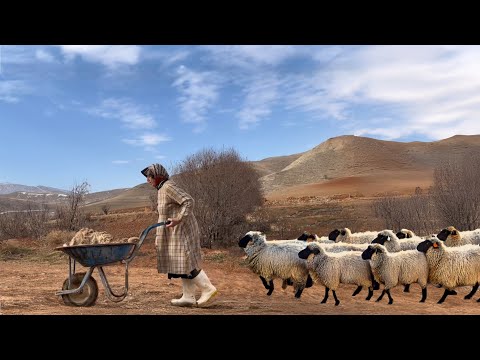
(69, 215)
(225, 188)
(456, 191)
(106, 208)
(153, 197)
(415, 212)
(32, 222)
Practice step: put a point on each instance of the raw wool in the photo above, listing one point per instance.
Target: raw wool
(392, 269)
(452, 267)
(346, 235)
(274, 259)
(332, 269)
(341, 246)
(87, 236)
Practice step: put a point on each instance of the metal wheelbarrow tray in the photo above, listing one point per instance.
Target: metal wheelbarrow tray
(81, 289)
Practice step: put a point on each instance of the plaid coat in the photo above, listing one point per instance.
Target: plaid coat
(178, 248)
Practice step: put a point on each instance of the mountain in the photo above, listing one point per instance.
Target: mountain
(353, 163)
(341, 165)
(8, 188)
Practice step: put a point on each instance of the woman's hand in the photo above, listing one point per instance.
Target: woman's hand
(173, 222)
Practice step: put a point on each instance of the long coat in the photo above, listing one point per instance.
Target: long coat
(178, 248)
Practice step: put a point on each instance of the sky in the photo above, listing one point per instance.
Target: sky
(100, 114)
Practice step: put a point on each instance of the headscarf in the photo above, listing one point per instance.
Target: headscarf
(155, 170)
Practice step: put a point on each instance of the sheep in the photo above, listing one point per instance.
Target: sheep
(331, 269)
(314, 237)
(393, 244)
(345, 235)
(453, 237)
(388, 239)
(404, 267)
(452, 266)
(405, 234)
(272, 260)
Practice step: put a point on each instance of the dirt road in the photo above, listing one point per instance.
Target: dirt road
(28, 287)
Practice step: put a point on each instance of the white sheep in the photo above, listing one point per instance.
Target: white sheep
(270, 261)
(388, 239)
(331, 269)
(451, 267)
(346, 235)
(453, 237)
(403, 267)
(314, 237)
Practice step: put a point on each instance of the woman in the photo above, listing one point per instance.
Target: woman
(178, 243)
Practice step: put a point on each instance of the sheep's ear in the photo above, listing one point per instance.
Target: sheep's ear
(343, 232)
(454, 232)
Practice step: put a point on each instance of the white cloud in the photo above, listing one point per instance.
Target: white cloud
(248, 55)
(130, 114)
(199, 91)
(43, 55)
(167, 57)
(260, 97)
(147, 140)
(120, 161)
(108, 55)
(430, 90)
(160, 157)
(11, 90)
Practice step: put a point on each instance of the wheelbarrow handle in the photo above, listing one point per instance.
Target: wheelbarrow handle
(143, 236)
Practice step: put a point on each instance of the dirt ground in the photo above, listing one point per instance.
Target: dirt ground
(28, 287)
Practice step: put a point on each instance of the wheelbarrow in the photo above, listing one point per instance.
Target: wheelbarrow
(81, 289)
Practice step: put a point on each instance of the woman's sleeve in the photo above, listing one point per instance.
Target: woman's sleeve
(182, 198)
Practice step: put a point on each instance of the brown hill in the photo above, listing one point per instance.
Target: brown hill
(138, 196)
(366, 165)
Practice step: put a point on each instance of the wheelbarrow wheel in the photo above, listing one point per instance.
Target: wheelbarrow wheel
(86, 297)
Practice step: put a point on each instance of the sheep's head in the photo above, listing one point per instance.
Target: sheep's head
(334, 234)
(381, 239)
(404, 233)
(311, 249)
(304, 236)
(371, 250)
(449, 231)
(433, 243)
(250, 236)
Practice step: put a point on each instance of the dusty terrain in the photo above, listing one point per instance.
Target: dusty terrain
(28, 286)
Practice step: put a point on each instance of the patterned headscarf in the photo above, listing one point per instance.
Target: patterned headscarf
(155, 170)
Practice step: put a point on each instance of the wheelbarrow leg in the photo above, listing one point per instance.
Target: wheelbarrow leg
(110, 294)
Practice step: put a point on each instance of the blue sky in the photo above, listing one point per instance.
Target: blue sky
(100, 114)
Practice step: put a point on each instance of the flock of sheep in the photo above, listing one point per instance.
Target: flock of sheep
(369, 260)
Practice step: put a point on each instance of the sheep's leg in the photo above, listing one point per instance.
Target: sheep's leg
(357, 290)
(271, 288)
(370, 294)
(299, 293)
(284, 284)
(264, 282)
(445, 294)
(390, 299)
(309, 282)
(474, 290)
(406, 288)
(381, 296)
(326, 296)
(335, 297)
(376, 285)
(424, 294)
